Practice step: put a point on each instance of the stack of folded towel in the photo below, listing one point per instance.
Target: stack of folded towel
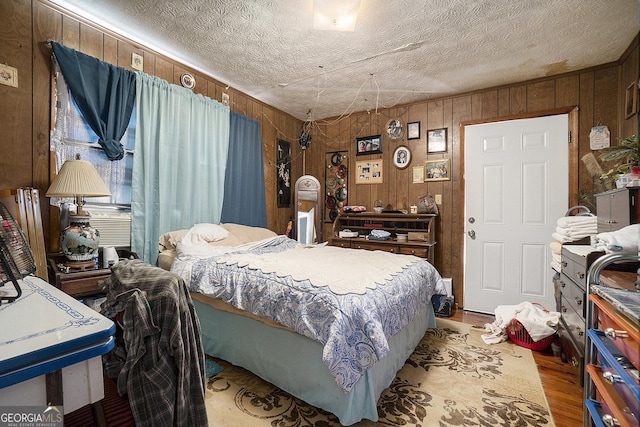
(572, 228)
(556, 255)
(625, 240)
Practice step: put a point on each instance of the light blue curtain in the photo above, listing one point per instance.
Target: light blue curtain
(245, 201)
(182, 140)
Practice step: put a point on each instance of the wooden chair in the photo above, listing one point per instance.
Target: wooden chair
(24, 205)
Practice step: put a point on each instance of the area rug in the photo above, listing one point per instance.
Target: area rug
(452, 379)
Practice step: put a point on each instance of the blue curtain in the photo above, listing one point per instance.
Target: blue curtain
(104, 93)
(182, 140)
(245, 201)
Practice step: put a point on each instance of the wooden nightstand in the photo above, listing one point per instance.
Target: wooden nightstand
(80, 283)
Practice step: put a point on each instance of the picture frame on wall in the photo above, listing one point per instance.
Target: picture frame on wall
(369, 145)
(631, 100)
(437, 170)
(413, 130)
(437, 140)
(418, 174)
(369, 172)
(402, 157)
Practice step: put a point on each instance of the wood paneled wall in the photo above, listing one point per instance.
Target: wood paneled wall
(25, 118)
(597, 92)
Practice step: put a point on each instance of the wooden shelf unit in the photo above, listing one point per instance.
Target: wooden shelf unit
(394, 223)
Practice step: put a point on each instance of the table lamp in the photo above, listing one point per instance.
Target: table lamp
(79, 241)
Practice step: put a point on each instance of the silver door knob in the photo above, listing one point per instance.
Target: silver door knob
(471, 234)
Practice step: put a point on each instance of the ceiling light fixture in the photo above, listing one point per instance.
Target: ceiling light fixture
(335, 15)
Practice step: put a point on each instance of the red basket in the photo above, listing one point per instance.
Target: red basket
(519, 335)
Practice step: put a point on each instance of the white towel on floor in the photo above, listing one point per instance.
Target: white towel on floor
(539, 323)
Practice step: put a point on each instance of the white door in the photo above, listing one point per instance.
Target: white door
(516, 187)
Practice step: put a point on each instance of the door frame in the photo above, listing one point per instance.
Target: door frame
(572, 112)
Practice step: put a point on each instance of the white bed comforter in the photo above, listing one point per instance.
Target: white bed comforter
(354, 327)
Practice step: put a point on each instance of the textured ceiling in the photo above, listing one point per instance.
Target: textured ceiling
(401, 50)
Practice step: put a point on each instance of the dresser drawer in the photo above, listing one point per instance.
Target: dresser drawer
(598, 412)
(573, 323)
(574, 266)
(376, 247)
(571, 353)
(618, 334)
(617, 385)
(340, 243)
(419, 252)
(576, 260)
(574, 295)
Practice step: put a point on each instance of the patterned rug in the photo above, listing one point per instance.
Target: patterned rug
(452, 379)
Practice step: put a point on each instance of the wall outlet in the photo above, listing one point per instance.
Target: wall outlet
(439, 199)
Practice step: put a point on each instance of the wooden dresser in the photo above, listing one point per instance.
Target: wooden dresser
(417, 226)
(576, 260)
(612, 356)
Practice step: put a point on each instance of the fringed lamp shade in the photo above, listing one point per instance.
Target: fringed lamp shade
(78, 178)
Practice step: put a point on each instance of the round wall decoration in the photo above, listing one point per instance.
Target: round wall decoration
(394, 129)
(187, 80)
(401, 157)
(336, 159)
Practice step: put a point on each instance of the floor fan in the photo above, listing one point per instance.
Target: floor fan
(16, 260)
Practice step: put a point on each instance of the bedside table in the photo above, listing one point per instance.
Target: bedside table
(80, 283)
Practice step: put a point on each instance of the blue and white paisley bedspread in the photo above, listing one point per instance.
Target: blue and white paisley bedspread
(353, 328)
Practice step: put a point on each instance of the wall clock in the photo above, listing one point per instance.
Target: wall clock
(187, 80)
(394, 129)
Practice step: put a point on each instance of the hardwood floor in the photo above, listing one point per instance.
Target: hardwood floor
(561, 387)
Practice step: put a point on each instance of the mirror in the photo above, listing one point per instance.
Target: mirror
(307, 210)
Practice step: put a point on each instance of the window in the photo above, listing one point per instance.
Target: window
(72, 136)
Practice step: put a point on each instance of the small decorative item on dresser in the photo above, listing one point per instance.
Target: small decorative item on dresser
(427, 205)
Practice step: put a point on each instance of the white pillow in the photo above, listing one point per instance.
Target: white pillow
(201, 234)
